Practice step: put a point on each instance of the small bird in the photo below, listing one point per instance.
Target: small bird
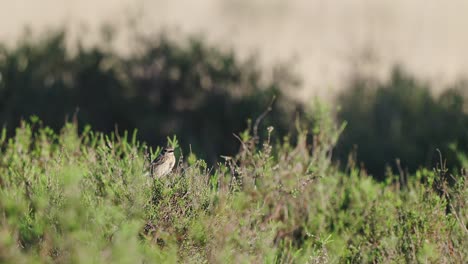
(163, 164)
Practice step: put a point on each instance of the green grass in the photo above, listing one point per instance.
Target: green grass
(84, 198)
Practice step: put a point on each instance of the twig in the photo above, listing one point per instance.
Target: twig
(259, 119)
(116, 131)
(460, 221)
(242, 142)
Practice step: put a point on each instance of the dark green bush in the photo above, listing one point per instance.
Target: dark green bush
(163, 87)
(401, 119)
(203, 94)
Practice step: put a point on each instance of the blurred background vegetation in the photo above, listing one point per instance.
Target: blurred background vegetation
(204, 94)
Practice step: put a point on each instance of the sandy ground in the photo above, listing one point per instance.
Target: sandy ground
(325, 40)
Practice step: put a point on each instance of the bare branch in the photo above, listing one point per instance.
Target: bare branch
(259, 119)
(242, 142)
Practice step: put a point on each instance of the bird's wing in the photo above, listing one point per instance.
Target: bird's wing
(158, 160)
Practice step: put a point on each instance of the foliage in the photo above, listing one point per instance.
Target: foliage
(84, 198)
(163, 87)
(204, 94)
(401, 120)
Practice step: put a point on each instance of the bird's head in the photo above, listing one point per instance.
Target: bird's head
(167, 150)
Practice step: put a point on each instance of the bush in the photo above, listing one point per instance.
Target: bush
(84, 197)
(401, 120)
(204, 94)
(162, 87)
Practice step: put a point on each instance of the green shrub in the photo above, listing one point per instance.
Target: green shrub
(85, 197)
(401, 119)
